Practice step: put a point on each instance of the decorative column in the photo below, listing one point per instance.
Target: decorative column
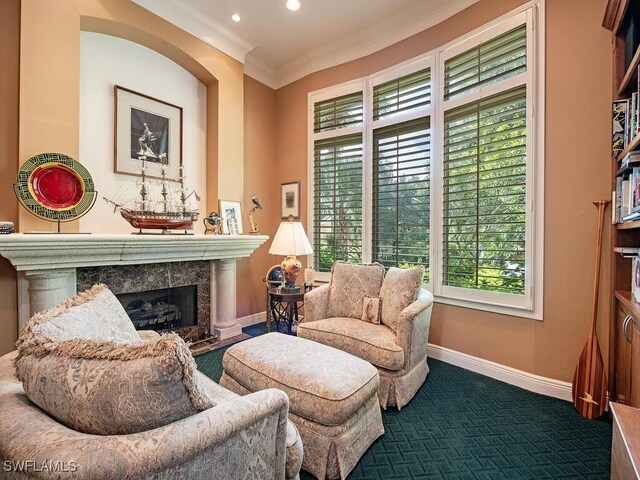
(47, 288)
(225, 324)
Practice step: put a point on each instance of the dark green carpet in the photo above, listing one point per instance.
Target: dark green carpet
(462, 425)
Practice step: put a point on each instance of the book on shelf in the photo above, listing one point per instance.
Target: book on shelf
(631, 217)
(635, 279)
(619, 112)
(631, 159)
(635, 190)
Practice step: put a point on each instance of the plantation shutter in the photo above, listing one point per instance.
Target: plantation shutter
(484, 189)
(337, 201)
(339, 112)
(405, 93)
(401, 201)
(490, 62)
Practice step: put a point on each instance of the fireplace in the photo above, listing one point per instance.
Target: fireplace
(165, 309)
(173, 296)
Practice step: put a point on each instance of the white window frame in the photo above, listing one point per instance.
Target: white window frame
(530, 304)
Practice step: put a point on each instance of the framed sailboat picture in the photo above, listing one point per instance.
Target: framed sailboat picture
(150, 128)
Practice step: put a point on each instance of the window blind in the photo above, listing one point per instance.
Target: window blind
(401, 189)
(497, 59)
(339, 112)
(484, 194)
(337, 201)
(405, 93)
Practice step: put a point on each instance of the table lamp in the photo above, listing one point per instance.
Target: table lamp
(290, 240)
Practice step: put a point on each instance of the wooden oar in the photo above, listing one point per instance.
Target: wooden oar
(589, 387)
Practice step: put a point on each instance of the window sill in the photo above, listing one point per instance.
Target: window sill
(488, 307)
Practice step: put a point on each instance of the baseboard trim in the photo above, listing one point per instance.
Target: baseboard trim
(513, 376)
(252, 319)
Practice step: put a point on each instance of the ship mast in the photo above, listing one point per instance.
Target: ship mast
(183, 198)
(163, 169)
(143, 184)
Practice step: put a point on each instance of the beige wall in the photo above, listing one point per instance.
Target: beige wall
(578, 86)
(259, 180)
(9, 87)
(41, 83)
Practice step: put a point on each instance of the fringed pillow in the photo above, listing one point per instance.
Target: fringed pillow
(93, 314)
(109, 388)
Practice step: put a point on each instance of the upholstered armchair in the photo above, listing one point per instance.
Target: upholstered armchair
(381, 319)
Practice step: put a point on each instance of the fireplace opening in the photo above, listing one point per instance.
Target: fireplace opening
(163, 309)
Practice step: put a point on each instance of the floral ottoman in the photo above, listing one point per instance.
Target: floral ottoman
(332, 396)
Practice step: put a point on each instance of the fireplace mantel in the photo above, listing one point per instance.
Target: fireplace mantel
(34, 252)
(47, 264)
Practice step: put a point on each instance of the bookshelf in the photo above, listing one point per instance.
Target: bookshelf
(622, 17)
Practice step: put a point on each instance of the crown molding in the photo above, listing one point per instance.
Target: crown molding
(206, 29)
(260, 71)
(394, 30)
(352, 48)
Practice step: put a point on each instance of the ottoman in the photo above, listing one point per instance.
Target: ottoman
(332, 396)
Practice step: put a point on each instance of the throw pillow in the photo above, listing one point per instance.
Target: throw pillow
(371, 310)
(93, 314)
(399, 290)
(350, 283)
(108, 388)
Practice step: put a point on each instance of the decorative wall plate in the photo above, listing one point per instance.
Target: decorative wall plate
(55, 187)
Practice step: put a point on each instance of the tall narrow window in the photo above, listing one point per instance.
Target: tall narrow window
(337, 229)
(485, 194)
(401, 205)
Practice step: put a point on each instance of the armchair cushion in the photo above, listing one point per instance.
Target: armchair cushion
(374, 343)
(109, 388)
(399, 290)
(350, 283)
(95, 314)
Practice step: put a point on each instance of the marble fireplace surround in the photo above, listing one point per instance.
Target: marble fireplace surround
(47, 263)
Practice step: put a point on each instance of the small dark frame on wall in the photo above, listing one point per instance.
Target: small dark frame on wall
(150, 128)
(290, 200)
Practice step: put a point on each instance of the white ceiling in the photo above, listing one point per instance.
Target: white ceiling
(278, 46)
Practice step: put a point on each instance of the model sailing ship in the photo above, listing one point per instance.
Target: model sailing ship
(144, 217)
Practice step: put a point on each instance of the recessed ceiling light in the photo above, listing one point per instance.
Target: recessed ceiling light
(235, 17)
(293, 5)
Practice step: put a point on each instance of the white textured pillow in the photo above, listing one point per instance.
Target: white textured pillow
(93, 314)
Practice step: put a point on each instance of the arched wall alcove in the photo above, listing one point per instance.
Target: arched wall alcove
(49, 84)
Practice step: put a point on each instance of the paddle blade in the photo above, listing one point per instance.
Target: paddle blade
(589, 388)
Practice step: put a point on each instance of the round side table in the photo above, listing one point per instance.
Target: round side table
(284, 308)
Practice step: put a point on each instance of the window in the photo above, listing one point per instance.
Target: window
(434, 162)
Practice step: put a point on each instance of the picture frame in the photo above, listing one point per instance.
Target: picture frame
(149, 127)
(231, 213)
(290, 200)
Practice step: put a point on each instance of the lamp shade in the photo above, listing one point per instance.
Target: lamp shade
(290, 239)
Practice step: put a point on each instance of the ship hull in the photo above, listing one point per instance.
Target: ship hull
(159, 221)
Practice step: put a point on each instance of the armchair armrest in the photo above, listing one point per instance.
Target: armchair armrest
(206, 441)
(413, 328)
(315, 304)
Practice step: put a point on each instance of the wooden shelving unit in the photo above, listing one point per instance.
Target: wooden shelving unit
(624, 326)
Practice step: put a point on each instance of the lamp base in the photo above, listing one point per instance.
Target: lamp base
(291, 267)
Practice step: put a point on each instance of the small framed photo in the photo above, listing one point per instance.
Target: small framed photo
(231, 214)
(290, 199)
(150, 128)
